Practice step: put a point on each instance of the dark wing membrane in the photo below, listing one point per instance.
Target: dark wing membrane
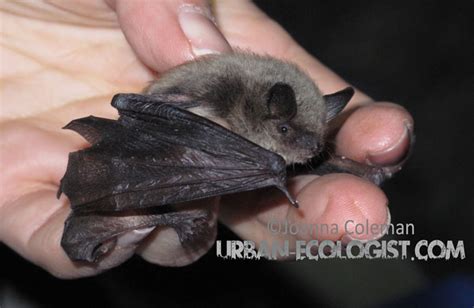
(157, 154)
(94, 129)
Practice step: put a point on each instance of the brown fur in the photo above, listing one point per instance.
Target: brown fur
(233, 91)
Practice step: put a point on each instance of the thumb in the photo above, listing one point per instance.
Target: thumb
(167, 33)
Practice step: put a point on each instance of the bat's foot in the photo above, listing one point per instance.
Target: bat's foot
(193, 226)
(340, 164)
(374, 174)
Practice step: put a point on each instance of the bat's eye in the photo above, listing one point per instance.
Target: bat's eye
(283, 128)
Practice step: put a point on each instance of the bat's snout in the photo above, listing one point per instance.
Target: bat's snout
(310, 143)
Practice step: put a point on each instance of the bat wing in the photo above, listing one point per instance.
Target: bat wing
(158, 153)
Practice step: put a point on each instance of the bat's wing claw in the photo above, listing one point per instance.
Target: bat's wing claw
(290, 198)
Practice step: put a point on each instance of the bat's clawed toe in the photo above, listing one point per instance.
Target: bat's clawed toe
(101, 250)
(193, 226)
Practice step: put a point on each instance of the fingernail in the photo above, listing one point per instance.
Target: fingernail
(133, 237)
(394, 153)
(199, 27)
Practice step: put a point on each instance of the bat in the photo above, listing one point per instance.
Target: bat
(222, 124)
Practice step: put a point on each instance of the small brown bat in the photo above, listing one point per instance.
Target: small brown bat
(222, 124)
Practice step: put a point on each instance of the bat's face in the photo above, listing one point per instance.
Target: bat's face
(292, 124)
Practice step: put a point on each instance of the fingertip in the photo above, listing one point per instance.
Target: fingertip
(200, 29)
(44, 248)
(168, 33)
(152, 30)
(377, 134)
(339, 202)
(164, 248)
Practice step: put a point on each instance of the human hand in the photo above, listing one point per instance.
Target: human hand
(67, 60)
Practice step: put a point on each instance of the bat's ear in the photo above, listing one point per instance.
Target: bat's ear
(337, 101)
(281, 101)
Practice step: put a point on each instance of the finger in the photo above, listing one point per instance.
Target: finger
(167, 33)
(342, 200)
(338, 201)
(32, 226)
(245, 26)
(40, 160)
(31, 217)
(376, 134)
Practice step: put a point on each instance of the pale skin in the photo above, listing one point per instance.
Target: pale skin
(64, 60)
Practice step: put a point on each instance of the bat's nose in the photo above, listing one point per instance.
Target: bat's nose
(311, 143)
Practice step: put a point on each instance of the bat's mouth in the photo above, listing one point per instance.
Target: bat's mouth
(300, 158)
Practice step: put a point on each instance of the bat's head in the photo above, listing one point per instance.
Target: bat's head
(293, 122)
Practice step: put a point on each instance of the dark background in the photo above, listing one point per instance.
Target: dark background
(417, 53)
